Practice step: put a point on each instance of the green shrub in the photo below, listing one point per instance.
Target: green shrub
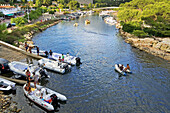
(19, 21)
(2, 27)
(139, 33)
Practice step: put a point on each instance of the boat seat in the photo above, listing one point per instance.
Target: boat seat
(37, 93)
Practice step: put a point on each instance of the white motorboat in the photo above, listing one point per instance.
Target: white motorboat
(55, 56)
(67, 58)
(41, 52)
(44, 97)
(117, 68)
(110, 20)
(54, 65)
(6, 85)
(20, 68)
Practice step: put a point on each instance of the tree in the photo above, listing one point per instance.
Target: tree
(73, 5)
(2, 27)
(153, 15)
(19, 21)
(38, 3)
(60, 6)
(47, 2)
(24, 1)
(1, 14)
(90, 5)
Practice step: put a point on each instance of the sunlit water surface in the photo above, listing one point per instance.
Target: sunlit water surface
(94, 86)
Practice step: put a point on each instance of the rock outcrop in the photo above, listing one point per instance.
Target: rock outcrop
(155, 46)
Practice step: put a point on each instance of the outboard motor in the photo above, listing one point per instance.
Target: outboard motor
(46, 54)
(42, 73)
(55, 101)
(66, 67)
(78, 62)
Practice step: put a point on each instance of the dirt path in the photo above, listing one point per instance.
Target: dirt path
(10, 54)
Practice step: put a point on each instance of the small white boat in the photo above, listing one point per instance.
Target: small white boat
(41, 52)
(67, 58)
(76, 24)
(55, 56)
(20, 68)
(44, 97)
(117, 68)
(6, 85)
(54, 65)
(87, 21)
(110, 20)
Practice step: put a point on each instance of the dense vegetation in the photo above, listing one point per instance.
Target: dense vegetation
(109, 2)
(17, 35)
(146, 17)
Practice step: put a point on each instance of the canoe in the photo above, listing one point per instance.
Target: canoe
(6, 85)
(44, 97)
(54, 65)
(20, 68)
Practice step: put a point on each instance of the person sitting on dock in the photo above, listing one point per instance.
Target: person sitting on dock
(128, 67)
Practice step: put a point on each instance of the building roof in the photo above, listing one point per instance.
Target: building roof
(7, 7)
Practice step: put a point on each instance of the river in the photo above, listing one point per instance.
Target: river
(94, 86)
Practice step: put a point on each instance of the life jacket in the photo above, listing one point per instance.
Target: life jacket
(3, 66)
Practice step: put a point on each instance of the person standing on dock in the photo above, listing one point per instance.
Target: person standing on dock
(38, 51)
(26, 46)
(30, 48)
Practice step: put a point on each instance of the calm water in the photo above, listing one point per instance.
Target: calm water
(94, 86)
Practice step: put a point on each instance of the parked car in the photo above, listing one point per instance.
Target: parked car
(4, 65)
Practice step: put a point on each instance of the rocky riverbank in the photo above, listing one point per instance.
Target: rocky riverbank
(29, 35)
(7, 105)
(156, 46)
